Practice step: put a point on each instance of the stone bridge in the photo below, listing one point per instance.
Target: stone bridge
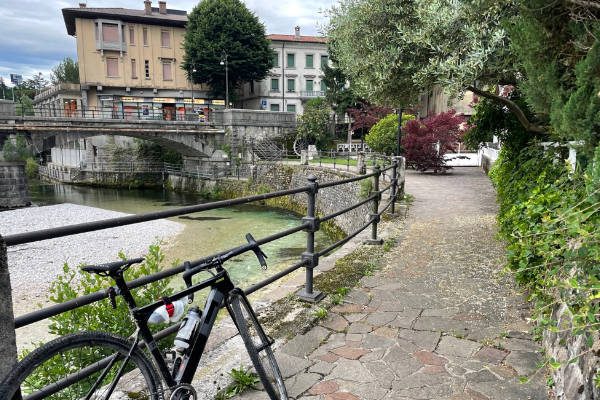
(190, 138)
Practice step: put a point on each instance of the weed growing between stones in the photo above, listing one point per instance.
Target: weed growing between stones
(243, 379)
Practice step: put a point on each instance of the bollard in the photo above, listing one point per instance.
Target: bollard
(394, 189)
(308, 294)
(8, 355)
(375, 211)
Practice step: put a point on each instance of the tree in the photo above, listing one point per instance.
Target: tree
(365, 115)
(427, 141)
(383, 136)
(225, 28)
(16, 149)
(313, 124)
(395, 50)
(67, 71)
(339, 94)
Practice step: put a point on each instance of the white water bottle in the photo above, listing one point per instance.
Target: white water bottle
(166, 313)
(182, 340)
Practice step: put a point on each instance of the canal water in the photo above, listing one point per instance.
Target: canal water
(205, 233)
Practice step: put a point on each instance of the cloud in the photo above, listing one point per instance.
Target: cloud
(35, 38)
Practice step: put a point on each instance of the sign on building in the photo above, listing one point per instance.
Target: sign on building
(16, 79)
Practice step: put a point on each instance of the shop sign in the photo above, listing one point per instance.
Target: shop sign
(196, 101)
(218, 102)
(163, 100)
(131, 99)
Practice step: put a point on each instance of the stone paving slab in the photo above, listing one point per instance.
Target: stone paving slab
(439, 321)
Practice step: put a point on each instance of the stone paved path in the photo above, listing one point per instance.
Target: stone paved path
(439, 321)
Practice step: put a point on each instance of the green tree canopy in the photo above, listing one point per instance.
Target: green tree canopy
(383, 136)
(219, 27)
(313, 124)
(67, 71)
(339, 94)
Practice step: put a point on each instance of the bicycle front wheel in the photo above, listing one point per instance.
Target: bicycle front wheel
(87, 365)
(258, 346)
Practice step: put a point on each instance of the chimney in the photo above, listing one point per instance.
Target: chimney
(82, 5)
(162, 7)
(297, 29)
(147, 7)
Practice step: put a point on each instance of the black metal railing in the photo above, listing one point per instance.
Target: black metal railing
(309, 223)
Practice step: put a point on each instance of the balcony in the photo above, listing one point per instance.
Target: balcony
(310, 94)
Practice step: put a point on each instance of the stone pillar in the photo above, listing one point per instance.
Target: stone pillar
(13, 185)
(8, 352)
(360, 163)
(303, 157)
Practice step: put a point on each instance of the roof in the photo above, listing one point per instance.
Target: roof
(171, 18)
(294, 38)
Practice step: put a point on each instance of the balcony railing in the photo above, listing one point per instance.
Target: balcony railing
(312, 93)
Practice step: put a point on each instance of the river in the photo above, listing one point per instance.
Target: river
(204, 233)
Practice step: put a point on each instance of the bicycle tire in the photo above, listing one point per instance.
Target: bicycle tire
(258, 346)
(60, 356)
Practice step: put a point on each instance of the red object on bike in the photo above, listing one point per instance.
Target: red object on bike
(170, 309)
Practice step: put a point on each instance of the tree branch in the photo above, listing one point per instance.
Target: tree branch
(513, 107)
(585, 3)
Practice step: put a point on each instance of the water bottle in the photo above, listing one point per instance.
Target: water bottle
(182, 340)
(168, 313)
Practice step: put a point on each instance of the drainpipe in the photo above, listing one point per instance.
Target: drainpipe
(282, 76)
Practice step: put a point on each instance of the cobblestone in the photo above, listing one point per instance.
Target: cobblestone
(439, 321)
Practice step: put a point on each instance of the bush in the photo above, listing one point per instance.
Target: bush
(31, 168)
(427, 141)
(16, 150)
(383, 136)
(313, 124)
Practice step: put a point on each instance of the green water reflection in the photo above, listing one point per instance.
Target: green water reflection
(205, 233)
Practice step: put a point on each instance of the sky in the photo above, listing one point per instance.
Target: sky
(35, 38)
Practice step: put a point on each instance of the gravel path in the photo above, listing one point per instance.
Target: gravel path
(34, 266)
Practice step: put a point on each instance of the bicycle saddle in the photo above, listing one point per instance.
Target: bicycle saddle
(111, 268)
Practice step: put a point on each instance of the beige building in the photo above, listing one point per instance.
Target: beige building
(296, 76)
(129, 62)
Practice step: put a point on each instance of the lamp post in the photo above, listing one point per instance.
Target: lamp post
(192, 72)
(225, 62)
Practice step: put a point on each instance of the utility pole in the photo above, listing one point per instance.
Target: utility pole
(224, 61)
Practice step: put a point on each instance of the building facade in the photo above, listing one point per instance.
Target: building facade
(62, 100)
(296, 77)
(129, 62)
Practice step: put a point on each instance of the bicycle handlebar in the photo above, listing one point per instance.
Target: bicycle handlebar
(219, 260)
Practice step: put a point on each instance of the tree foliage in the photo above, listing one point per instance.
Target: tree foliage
(339, 94)
(313, 124)
(383, 136)
(428, 140)
(365, 115)
(216, 27)
(16, 150)
(67, 71)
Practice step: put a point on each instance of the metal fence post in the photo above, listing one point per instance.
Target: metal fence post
(375, 211)
(8, 355)
(308, 294)
(394, 189)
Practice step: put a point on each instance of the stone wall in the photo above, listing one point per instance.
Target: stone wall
(13, 185)
(575, 380)
(7, 107)
(273, 177)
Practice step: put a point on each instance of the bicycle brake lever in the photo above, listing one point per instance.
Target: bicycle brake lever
(257, 251)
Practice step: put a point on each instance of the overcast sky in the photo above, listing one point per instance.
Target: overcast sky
(34, 37)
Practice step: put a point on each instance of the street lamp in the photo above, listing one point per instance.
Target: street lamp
(225, 61)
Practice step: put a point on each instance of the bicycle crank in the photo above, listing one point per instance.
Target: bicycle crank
(183, 391)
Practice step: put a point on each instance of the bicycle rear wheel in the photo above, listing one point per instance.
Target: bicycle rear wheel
(85, 365)
(258, 346)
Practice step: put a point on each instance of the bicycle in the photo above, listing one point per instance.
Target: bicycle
(99, 365)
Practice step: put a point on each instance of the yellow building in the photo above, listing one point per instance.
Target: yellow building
(129, 62)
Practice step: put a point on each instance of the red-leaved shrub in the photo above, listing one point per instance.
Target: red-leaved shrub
(426, 141)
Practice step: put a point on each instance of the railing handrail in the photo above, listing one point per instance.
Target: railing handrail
(309, 224)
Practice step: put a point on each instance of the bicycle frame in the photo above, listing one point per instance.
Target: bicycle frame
(221, 286)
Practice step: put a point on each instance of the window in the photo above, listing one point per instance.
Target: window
(309, 85)
(165, 39)
(167, 71)
(145, 36)
(291, 108)
(274, 107)
(147, 69)
(131, 35)
(291, 60)
(133, 69)
(276, 59)
(110, 33)
(274, 84)
(291, 85)
(309, 61)
(112, 67)
(324, 61)
(323, 87)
